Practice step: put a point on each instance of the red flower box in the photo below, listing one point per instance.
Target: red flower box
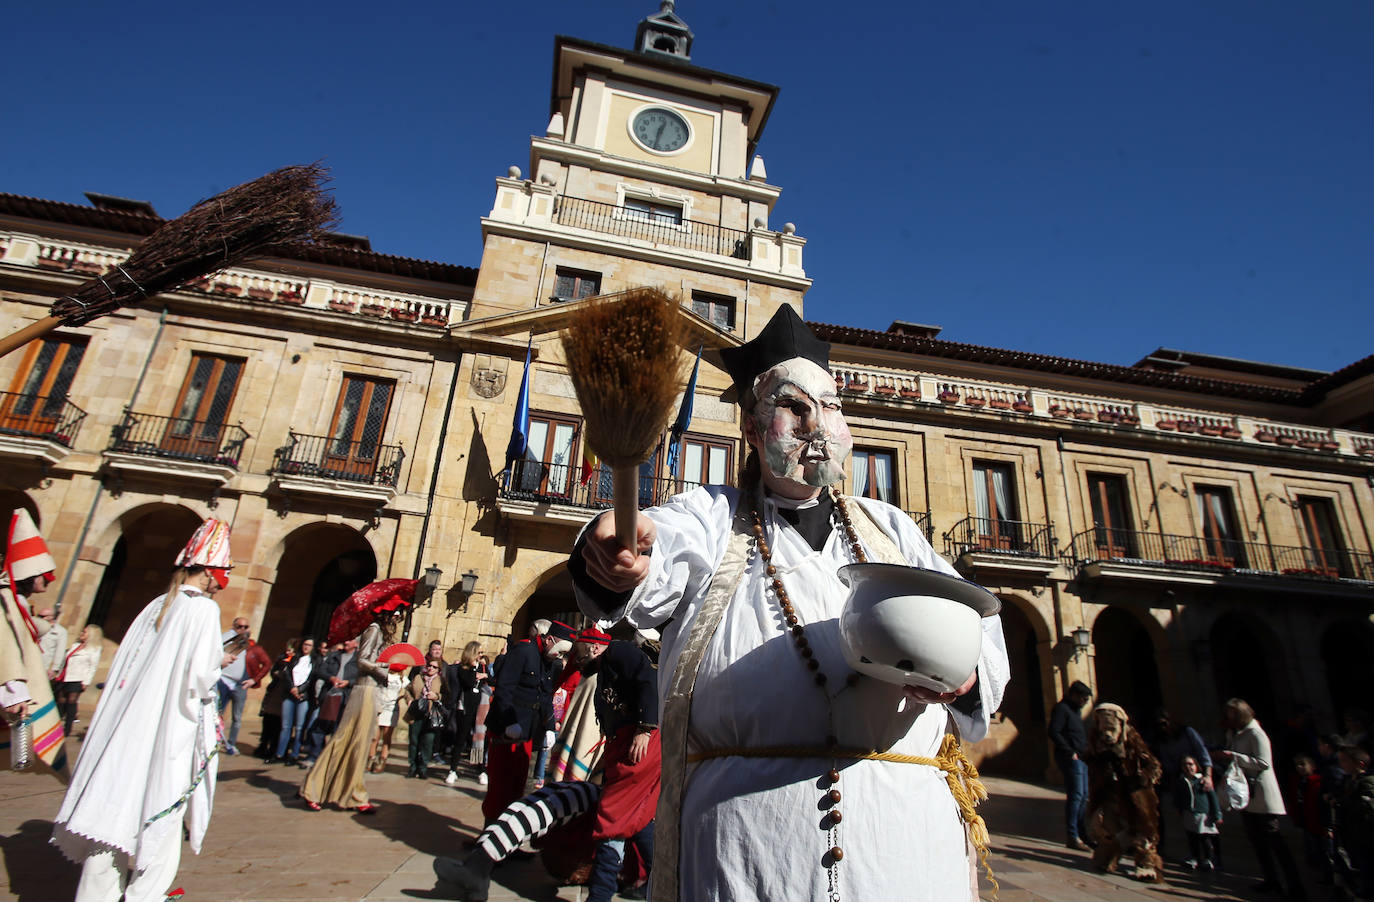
(228, 288)
(405, 316)
(1166, 425)
(1187, 426)
(342, 306)
(1022, 406)
(909, 392)
(948, 397)
(975, 402)
(999, 404)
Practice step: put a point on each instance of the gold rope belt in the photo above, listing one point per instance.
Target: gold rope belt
(960, 775)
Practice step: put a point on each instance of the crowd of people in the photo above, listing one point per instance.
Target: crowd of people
(1321, 783)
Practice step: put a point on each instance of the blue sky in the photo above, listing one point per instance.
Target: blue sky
(1086, 179)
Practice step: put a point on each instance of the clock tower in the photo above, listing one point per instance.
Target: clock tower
(647, 173)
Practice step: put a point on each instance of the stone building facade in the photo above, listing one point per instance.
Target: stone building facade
(1173, 532)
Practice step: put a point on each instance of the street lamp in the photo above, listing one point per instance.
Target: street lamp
(469, 581)
(1082, 638)
(431, 577)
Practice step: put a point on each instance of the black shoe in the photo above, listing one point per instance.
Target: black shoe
(412, 774)
(638, 893)
(273, 759)
(1077, 844)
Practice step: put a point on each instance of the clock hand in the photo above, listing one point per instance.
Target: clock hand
(658, 138)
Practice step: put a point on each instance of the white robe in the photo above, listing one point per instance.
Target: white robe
(147, 761)
(752, 828)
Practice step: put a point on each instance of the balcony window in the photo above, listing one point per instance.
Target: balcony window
(202, 405)
(356, 428)
(704, 461)
(652, 211)
(717, 309)
(875, 475)
(547, 468)
(1221, 540)
(1327, 549)
(995, 505)
(1112, 532)
(572, 285)
(39, 391)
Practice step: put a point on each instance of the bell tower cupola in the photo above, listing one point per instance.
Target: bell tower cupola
(664, 33)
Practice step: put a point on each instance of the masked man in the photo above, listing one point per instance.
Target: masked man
(762, 787)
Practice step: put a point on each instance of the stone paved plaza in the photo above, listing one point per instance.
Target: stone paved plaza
(264, 845)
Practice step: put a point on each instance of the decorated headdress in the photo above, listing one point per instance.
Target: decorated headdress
(785, 337)
(26, 554)
(208, 548)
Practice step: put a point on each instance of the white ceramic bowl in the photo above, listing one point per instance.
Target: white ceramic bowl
(913, 627)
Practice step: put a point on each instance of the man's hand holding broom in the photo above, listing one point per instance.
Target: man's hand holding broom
(610, 563)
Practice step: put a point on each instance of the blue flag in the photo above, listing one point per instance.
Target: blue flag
(684, 417)
(520, 430)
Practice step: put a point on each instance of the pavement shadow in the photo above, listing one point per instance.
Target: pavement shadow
(423, 829)
(1034, 818)
(37, 871)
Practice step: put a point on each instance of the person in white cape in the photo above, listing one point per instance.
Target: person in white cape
(149, 760)
(767, 792)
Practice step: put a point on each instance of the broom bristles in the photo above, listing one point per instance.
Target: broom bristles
(624, 359)
(247, 221)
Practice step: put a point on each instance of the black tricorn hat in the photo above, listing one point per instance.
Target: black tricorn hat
(785, 337)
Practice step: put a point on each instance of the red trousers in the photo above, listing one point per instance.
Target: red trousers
(508, 765)
(629, 792)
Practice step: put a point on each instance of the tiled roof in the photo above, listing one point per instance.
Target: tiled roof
(1045, 363)
(140, 224)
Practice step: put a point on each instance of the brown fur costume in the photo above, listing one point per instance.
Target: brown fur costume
(1122, 806)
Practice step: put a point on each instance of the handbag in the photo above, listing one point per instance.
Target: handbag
(418, 710)
(330, 706)
(438, 716)
(1235, 793)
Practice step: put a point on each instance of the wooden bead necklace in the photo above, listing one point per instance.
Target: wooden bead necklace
(793, 624)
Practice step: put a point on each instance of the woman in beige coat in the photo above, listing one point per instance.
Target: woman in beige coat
(1248, 747)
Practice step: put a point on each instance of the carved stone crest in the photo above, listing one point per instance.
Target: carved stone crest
(488, 383)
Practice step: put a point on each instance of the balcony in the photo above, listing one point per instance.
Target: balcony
(1130, 554)
(1017, 548)
(324, 467)
(594, 216)
(922, 519)
(534, 490)
(142, 444)
(38, 426)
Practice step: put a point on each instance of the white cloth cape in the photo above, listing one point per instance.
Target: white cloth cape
(152, 734)
(752, 827)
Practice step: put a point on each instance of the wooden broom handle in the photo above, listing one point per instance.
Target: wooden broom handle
(28, 333)
(625, 494)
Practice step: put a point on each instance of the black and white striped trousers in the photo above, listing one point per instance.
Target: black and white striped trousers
(537, 814)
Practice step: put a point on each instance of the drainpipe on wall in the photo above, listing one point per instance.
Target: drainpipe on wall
(433, 488)
(90, 514)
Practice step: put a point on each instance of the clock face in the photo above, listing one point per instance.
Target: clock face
(661, 130)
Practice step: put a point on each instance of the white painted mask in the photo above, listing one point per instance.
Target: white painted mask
(801, 427)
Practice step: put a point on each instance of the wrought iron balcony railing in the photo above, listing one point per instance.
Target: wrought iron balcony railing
(610, 219)
(922, 519)
(40, 416)
(177, 438)
(1218, 556)
(328, 458)
(533, 480)
(989, 535)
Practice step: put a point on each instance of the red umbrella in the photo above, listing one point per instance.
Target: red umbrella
(353, 616)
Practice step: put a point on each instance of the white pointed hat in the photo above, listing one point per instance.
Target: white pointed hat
(27, 554)
(209, 547)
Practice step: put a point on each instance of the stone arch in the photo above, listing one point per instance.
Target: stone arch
(318, 565)
(1017, 743)
(12, 500)
(1126, 651)
(548, 595)
(1248, 662)
(144, 541)
(1347, 647)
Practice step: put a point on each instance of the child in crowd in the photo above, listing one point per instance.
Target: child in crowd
(1311, 812)
(1354, 833)
(1201, 813)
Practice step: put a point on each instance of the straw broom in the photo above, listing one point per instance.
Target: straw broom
(250, 220)
(623, 357)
